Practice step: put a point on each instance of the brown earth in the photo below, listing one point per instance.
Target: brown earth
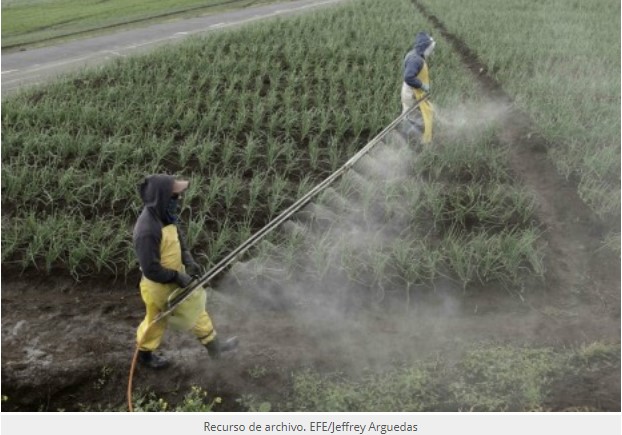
(68, 345)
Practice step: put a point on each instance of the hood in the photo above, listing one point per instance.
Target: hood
(422, 41)
(156, 191)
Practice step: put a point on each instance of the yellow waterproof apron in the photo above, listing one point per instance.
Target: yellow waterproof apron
(426, 108)
(190, 315)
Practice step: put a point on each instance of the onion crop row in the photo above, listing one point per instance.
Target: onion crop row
(560, 62)
(458, 219)
(252, 116)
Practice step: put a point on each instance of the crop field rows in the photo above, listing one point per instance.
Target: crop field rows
(559, 62)
(252, 137)
(400, 221)
(255, 118)
(231, 127)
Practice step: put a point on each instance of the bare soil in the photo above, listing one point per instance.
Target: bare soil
(68, 345)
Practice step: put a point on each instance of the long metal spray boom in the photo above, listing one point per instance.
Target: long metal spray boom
(286, 214)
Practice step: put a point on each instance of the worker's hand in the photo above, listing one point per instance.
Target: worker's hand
(425, 87)
(183, 279)
(192, 267)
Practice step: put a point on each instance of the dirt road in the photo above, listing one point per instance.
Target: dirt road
(39, 65)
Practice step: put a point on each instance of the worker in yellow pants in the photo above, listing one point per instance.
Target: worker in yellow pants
(155, 298)
(166, 265)
(417, 84)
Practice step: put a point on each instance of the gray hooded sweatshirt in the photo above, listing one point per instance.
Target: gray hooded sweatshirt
(156, 192)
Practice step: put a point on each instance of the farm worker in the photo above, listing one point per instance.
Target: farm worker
(417, 83)
(166, 264)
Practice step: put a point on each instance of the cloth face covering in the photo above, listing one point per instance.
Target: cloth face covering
(172, 209)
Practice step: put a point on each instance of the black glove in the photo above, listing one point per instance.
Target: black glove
(183, 279)
(192, 267)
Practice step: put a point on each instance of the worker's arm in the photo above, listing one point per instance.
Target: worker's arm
(181, 235)
(412, 66)
(148, 252)
(192, 267)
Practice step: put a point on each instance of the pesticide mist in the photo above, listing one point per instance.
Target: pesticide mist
(364, 269)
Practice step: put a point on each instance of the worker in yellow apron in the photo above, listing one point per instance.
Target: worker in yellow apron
(166, 265)
(417, 84)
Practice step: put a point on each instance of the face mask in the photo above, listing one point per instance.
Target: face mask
(172, 209)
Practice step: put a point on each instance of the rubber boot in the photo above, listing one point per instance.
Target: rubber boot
(152, 361)
(216, 347)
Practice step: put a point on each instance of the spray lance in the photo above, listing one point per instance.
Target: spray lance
(286, 214)
(181, 295)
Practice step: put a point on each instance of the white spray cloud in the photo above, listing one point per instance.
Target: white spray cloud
(324, 273)
(469, 120)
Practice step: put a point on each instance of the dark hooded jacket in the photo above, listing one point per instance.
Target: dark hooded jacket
(156, 192)
(414, 60)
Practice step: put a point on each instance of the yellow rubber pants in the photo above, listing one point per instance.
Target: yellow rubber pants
(424, 115)
(427, 113)
(155, 297)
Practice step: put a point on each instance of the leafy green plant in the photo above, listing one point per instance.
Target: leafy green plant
(550, 83)
(195, 400)
(252, 140)
(503, 379)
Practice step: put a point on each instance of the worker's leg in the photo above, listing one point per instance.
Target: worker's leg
(427, 113)
(408, 99)
(414, 128)
(148, 335)
(417, 120)
(205, 332)
(203, 329)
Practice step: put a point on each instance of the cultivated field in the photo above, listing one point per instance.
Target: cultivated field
(559, 61)
(480, 272)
